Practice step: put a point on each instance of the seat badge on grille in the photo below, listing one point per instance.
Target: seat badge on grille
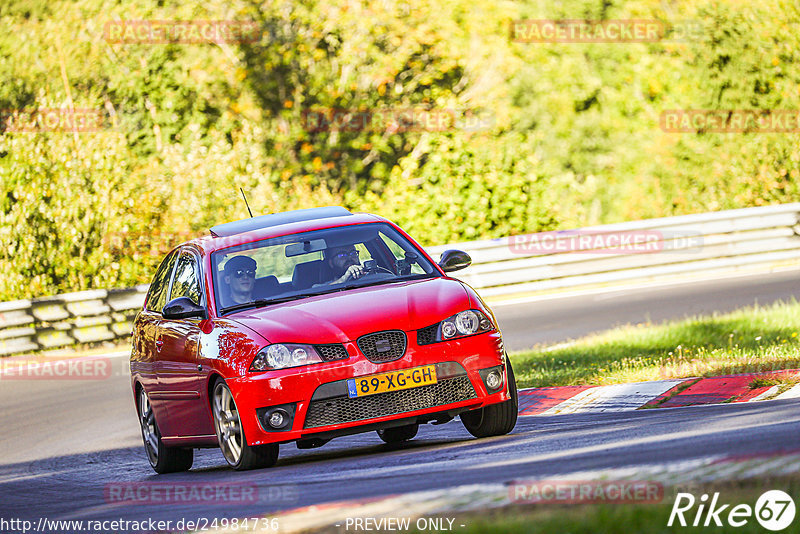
(382, 347)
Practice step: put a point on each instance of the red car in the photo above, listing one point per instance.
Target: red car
(308, 325)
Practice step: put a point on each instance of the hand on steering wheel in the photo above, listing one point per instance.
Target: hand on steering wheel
(354, 272)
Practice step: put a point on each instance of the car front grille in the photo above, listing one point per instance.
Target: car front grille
(332, 352)
(427, 335)
(339, 410)
(381, 347)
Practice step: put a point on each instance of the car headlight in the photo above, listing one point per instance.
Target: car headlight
(465, 323)
(284, 355)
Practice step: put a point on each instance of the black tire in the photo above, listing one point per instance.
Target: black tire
(398, 434)
(230, 434)
(497, 419)
(162, 459)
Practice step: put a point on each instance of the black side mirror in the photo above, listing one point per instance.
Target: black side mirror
(453, 260)
(183, 308)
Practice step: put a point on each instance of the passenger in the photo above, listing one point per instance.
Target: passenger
(240, 277)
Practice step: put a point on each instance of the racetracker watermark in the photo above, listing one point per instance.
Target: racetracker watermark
(154, 243)
(585, 491)
(200, 524)
(604, 31)
(622, 242)
(181, 31)
(395, 120)
(34, 120)
(730, 120)
(176, 493)
(55, 369)
(157, 243)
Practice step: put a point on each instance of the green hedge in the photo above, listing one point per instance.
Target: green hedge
(570, 132)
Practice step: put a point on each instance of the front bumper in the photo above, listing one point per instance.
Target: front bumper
(330, 405)
(322, 406)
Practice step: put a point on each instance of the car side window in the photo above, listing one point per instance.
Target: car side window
(157, 295)
(187, 279)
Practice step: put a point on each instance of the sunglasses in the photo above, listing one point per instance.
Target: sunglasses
(242, 272)
(351, 254)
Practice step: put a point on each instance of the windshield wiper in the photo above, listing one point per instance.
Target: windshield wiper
(252, 304)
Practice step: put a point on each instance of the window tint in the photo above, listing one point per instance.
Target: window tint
(272, 261)
(187, 279)
(157, 296)
(315, 262)
(404, 256)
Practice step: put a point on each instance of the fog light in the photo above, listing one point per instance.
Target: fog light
(277, 418)
(494, 379)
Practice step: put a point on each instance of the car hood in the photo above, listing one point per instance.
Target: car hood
(344, 316)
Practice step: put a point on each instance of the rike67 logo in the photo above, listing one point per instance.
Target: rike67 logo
(774, 510)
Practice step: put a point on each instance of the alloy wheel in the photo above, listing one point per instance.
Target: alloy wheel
(149, 429)
(228, 425)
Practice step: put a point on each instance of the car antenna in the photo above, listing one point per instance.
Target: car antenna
(245, 203)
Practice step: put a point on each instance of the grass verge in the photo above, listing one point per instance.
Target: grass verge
(630, 518)
(754, 339)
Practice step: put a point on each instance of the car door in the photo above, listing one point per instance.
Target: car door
(180, 373)
(146, 350)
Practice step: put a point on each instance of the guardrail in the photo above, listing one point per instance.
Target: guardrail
(615, 253)
(671, 246)
(81, 317)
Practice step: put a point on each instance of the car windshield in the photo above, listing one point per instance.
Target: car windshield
(312, 263)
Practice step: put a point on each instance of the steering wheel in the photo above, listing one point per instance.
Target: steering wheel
(371, 267)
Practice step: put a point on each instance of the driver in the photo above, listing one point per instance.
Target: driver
(344, 264)
(240, 277)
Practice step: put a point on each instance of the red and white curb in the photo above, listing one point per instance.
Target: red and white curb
(793, 393)
(660, 393)
(615, 398)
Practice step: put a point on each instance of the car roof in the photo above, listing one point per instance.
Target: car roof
(277, 219)
(279, 224)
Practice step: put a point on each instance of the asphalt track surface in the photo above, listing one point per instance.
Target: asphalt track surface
(64, 442)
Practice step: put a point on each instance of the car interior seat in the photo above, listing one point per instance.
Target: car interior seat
(307, 274)
(266, 287)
